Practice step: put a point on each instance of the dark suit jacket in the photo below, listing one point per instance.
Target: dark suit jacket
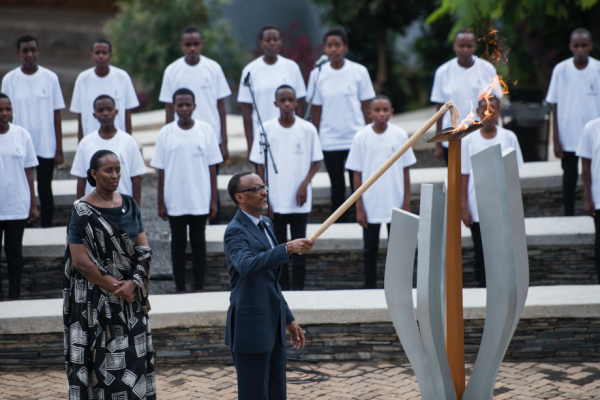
(256, 301)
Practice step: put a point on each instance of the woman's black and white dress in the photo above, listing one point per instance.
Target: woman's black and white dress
(108, 344)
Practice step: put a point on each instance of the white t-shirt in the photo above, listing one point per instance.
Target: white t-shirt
(123, 145)
(589, 147)
(265, 80)
(34, 99)
(88, 86)
(340, 92)
(462, 86)
(206, 79)
(294, 150)
(16, 154)
(185, 156)
(368, 152)
(473, 144)
(576, 92)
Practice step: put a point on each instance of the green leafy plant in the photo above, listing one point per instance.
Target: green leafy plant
(145, 38)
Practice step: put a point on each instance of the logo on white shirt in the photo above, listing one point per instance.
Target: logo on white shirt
(591, 90)
(298, 148)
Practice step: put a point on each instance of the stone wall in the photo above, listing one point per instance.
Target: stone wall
(548, 265)
(552, 339)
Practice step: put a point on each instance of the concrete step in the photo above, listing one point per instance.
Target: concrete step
(534, 176)
(563, 231)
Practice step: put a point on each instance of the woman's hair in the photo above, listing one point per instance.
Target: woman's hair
(337, 31)
(95, 163)
(4, 96)
(182, 92)
(102, 97)
(267, 28)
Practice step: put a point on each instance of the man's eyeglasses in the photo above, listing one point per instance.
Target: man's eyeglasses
(257, 189)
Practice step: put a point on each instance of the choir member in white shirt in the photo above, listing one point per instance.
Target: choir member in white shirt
(103, 79)
(185, 157)
(340, 109)
(37, 100)
(371, 147)
(267, 73)
(17, 196)
(489, 135)
(460, 80)
(109, 137)
(296, 150)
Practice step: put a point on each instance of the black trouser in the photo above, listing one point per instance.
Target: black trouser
(445, 154)
(13, 247)
(597, 244)
(262, 376)
(335, 162)
(570, 174)
(370, 253)
(297, 224)
(44, 173)
(216, 220)
(197, 224)
(479, 261)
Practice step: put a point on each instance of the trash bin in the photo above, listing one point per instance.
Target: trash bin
(528, 116)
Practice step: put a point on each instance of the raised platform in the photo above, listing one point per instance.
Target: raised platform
(558, 323)
(560, 253)
(541, 183)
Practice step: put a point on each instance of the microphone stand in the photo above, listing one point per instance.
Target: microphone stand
(308, 115)
(266, 147)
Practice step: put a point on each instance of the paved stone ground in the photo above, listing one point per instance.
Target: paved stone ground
(339, 380)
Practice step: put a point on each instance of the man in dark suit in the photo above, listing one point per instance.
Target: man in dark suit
(258, 314)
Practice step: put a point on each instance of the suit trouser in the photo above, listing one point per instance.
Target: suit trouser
(45, 171)
(179, 226)
(12, 231)
(262, 376)
(370, 253)
(297, 224)
(569, 165)
(597, 244)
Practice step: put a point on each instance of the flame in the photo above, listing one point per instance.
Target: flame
(494, 53)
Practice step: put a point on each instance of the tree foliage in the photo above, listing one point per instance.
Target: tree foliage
(537, 32)
(145, 38)
(372, 26)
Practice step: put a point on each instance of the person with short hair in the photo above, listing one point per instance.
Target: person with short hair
(489, 135)
(258, 314)
(460, 80)
(589, 151)
(371, 147)
(267, 73)
(296, 150)
(340, 109)
(109, 137)
(185, 157)
(202, 76)
(108, 340)
(102, 79)
(574, 93)
(17, 196)
(37, 100)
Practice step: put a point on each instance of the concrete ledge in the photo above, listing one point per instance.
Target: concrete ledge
(309, 307)
(547, 231)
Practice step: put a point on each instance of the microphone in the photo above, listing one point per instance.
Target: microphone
(247, 80)
(321, 61)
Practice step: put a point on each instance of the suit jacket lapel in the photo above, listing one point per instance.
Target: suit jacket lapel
(253, 229)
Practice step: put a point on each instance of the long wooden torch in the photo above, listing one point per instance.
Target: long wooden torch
(449, 106)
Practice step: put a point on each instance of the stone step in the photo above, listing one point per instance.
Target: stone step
(541, 183)
(209, 309)
(558, 324)
(563, 231)
(560, 252)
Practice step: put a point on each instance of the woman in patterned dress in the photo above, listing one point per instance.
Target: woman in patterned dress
(108, 345)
